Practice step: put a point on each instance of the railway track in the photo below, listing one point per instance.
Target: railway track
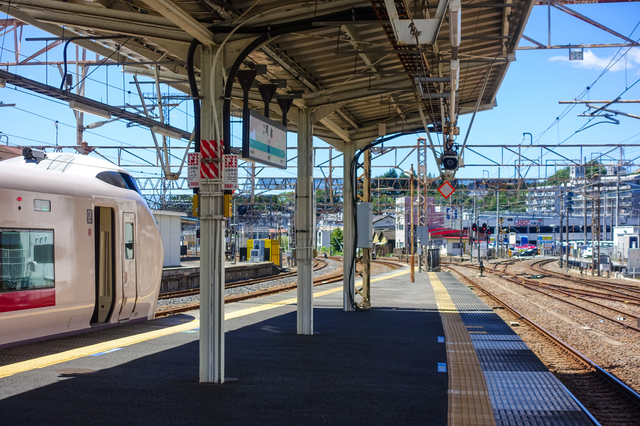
(632, 290)
(317, 265)
(331, 277)
(607, 398)
(574, 293)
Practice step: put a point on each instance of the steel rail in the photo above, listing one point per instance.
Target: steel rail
(538, 266)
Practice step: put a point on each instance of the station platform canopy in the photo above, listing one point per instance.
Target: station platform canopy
(365, 68)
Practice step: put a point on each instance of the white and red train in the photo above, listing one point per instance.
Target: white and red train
(79, 247)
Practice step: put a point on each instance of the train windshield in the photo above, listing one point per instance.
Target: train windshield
(119, 179)
(131, 182)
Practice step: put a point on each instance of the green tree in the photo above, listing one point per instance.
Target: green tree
(337, 240)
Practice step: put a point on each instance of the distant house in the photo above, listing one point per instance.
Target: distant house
(384, 227)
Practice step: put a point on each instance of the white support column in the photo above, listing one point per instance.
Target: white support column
(304, 222)
(211, 232)
(349, 230)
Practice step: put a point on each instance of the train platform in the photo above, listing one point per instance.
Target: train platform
(429, 352)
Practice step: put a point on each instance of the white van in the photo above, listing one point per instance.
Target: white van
(606, 248)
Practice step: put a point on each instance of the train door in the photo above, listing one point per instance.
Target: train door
(105, 266)
(129, 278)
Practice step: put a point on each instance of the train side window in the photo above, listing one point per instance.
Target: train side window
(26, 259)
(128, 240)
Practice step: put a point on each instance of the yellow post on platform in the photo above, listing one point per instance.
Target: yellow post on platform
(228, 206)
(195, 205)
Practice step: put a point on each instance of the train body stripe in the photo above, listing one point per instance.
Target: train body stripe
(29, 299)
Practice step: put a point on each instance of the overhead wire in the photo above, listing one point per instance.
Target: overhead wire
(614, 60)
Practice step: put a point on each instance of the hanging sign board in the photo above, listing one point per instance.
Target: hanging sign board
(576, 54)
(267, 142)
(193, 170)
(230, 172)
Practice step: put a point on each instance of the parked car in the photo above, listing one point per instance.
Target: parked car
(529, 252)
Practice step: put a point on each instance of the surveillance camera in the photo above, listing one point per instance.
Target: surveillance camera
(33, 154)
(450, 161)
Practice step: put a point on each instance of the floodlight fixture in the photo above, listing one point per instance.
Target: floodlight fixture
(455, 73)
(166, 132)
(78, 106)
(455, 23)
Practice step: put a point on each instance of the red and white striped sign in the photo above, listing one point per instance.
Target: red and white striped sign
(211, 164)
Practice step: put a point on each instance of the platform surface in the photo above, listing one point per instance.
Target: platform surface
(409, 360)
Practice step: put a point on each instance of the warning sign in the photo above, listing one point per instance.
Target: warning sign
(193, 170)
(211, 151)
(230, 172)
(446, 190)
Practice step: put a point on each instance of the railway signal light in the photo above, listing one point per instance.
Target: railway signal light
(484, 227)
(474, 227)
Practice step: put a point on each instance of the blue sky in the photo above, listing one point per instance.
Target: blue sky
(527, 101)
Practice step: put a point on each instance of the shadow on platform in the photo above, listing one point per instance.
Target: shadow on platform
(375, 367)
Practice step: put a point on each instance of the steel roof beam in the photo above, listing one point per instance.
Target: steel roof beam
(354, 40)
(133, 47)
(592, 22)
(353, 90)
(183, 19)
(301, 75)
(63, 95)
(574, 46)
(93, 11)
(115, 25)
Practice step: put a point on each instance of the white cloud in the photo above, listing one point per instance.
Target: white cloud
(592, 61)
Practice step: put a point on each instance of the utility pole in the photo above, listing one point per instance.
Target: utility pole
(473, 220)
(461, 242)
(366, 252)
(561, 218)
(598, 240)
(584, 204)
(331, 179)
(605, 215)
(593, 235)
(412, 264)
(568, 246)
(497, 214)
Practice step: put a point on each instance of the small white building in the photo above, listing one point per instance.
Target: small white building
(624, 238)
(169, 226)
(323, 238)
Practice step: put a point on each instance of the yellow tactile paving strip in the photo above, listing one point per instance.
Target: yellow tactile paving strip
(19, 367)
(469, 402)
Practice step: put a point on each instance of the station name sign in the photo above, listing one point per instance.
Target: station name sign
(267, 142)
